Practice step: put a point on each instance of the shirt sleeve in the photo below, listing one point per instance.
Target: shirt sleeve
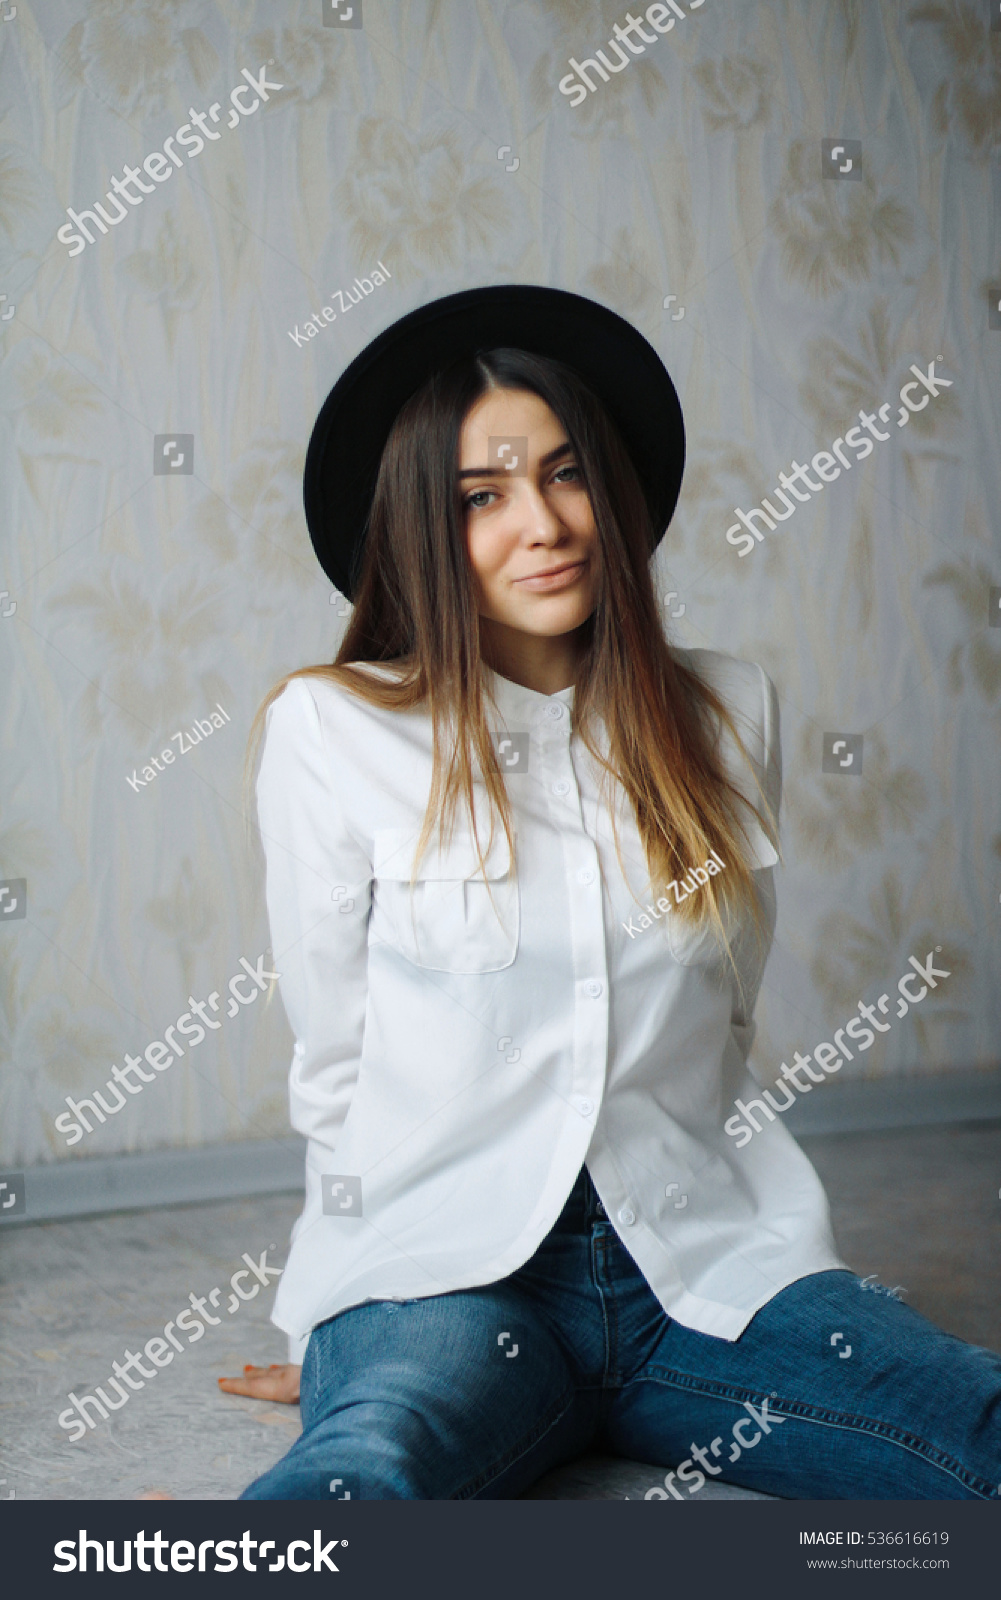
(764, 748)
(772, 778)
(318, 889)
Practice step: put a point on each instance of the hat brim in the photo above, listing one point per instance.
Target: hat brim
(350, 433)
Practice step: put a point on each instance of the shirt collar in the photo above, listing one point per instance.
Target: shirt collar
(512, 700)
(515, 701)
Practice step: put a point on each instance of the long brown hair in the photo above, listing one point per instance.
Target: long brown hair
(415, 608)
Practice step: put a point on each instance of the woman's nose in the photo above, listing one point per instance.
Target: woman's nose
(539, 520)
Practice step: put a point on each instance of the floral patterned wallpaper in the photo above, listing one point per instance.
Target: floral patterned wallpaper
(154, 414)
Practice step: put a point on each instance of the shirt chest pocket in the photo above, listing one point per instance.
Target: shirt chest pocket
(455, 917)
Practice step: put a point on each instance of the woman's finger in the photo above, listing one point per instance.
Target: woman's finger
(276, 1382)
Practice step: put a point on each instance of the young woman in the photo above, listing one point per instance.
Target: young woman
(519, 856)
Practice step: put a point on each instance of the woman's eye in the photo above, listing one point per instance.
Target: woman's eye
(478, 499)
(559, 478)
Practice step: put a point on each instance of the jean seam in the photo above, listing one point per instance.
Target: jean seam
(614, 1376)
(598, 1254)
(545, 1425)
(849, 1421)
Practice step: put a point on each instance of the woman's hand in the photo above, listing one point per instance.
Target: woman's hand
(266, 1383)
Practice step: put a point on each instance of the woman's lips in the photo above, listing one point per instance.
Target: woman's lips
(547, 583)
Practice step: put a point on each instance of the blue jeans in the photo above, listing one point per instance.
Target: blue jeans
(833, 1391)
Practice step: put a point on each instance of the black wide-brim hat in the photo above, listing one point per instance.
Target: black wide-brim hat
(350, 433)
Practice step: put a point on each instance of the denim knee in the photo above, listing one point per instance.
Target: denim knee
(366, 1451)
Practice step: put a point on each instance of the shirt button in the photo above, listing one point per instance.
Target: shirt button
(592, 988)
(585, 875)
(554, 710)
(561, 786)
(584, 1105)
(627, 1217)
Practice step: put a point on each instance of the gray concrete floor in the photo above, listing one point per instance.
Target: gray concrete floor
(918, 1208)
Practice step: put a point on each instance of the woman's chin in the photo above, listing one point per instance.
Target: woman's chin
(551, 619)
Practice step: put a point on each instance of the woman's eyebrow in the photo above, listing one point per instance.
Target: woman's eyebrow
(564, 449)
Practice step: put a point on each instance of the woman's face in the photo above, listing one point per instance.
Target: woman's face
(529, 528)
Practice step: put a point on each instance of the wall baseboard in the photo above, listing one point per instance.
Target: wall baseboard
(233, 1171)
(68, 1188)
(880, 1104)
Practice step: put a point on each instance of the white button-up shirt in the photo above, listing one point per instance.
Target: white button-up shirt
(462, 1049)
